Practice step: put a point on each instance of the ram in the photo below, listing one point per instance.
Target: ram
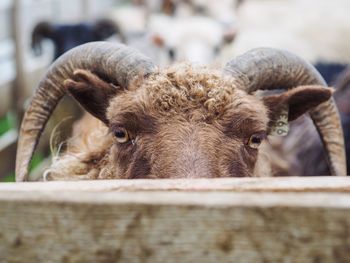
(181, 121)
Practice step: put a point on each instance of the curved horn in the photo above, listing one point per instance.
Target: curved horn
(115, 62)
(268, 68)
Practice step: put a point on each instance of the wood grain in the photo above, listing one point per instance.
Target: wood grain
(181, 221)
(274, 184)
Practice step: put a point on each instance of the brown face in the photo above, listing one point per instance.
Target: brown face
(180, 122)
(183, 123)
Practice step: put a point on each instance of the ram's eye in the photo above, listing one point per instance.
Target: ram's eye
(121, 135)
(256, 139)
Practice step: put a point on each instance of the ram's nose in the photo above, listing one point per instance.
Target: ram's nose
(187, 151)
(195, 165)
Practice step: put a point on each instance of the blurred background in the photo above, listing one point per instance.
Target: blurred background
(33, 33)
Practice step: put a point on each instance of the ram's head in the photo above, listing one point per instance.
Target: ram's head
(182, 121)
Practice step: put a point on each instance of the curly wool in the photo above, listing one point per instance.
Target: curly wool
(184, 88)
(87, 152)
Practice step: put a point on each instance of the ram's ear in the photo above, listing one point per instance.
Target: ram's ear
(291, 104)
(92, 93)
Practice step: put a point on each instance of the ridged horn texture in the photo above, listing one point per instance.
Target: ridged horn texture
(268, 68)
(115, 62)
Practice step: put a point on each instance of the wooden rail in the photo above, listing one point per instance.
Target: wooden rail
(199, 220)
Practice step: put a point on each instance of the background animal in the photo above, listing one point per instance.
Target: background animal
(198, 39)
(319, 35)
(178, 30)
(67, 36)
(182, 121)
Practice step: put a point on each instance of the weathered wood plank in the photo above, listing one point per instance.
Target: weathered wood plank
(274, 184)
(136, 221)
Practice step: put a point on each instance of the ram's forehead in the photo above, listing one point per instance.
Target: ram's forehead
(186, 89)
